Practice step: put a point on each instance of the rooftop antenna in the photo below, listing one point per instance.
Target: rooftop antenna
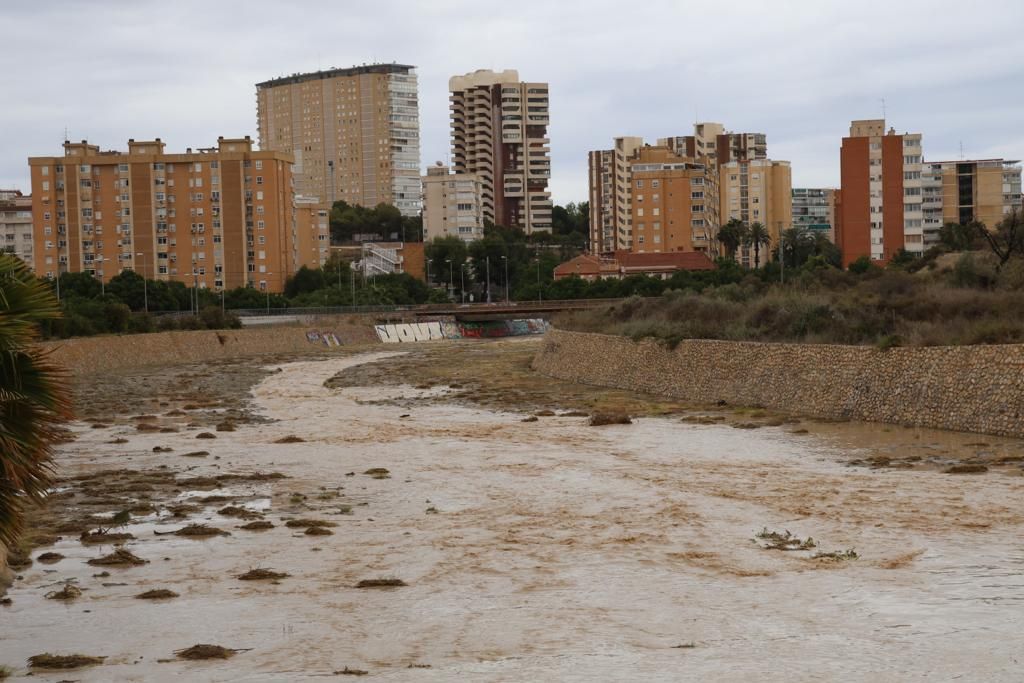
(961, 150)
(66, 138)
(883, 107)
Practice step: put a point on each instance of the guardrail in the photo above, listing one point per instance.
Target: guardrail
(525, 306)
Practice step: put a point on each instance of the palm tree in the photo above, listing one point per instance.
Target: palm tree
(757, 236)
(732, 235)
(34, 397)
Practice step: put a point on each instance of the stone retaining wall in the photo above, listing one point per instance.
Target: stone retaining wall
(88, 355)
(963, 388)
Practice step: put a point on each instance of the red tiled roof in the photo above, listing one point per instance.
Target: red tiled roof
(679, 260)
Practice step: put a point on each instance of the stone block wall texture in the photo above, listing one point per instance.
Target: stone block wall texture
(89, 355)
(964, 388)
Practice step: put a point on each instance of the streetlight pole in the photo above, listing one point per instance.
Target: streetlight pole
(195, 287)
(451, 279)
(462, 286)
(428, 271)
(488, 264)
(267, 288)
(505, 259)
(145, 285)
(540, 293)
(353, 272)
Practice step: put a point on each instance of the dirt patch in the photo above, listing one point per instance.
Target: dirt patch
(48, 661)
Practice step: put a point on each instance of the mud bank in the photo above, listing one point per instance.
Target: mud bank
(91, 355)
(964, 388)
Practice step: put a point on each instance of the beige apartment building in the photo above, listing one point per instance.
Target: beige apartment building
(983, 190)
(452, 204)
(499, 130)
(611, 213)
(16, 224)
(757, 191)
(354, 133)
(721, 146)
(310, 240)
(674, 202)
(216, 217)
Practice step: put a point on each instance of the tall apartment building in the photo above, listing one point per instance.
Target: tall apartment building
(611, 213)
(452, 205)
(310, 242)
(217, 217)
(814, 210)
(757, 191)
(500, 133)
(674, 202)
(720, 145)
(881, 209)
(16, 224)
(354, 133)
(984, 190)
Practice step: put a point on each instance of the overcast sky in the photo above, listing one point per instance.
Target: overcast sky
(185, 70)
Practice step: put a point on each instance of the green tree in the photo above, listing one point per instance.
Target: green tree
(959, 237)
(34, 400)
(757, 237)
(305, 280)
(732, 235)
(1006, 239)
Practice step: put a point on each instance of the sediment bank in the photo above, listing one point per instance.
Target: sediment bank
(963, 388)
(90, 355)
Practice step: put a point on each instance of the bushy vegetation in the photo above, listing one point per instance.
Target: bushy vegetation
(964, 298)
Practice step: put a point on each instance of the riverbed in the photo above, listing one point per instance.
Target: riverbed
(541, 550)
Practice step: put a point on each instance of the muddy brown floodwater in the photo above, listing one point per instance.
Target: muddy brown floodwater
(422, 532)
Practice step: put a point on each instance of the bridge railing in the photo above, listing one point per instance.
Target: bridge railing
(426, 309)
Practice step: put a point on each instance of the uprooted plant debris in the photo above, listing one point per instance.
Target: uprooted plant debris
(205, 651)
(291, 438)
(262, 575)
(156, 594)
(103, 536)
(68, 592)
(381, 583)
(48, 661)
(118, 558)
(50, 558)
(240, 512)
(307, 523)
(258, 525)
(601, 419)
(969, 468)
(195, 531)
(350, 672)
(318, 531)
(773, 540)
(837, 555)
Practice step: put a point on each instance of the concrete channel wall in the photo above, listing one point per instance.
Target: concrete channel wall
(89, 355)
(964, 388)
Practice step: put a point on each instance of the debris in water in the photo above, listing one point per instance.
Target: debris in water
(838, 555)
(785, 541)
(318, 531)
(381, 583)
(103, 536)
(350, 672)
(236, 511)
(157, 594)
(258, 525)
(162, 449)
(260, 574)
(50, 558)
(226, 427)
(306, 523)
(206, 435)
(48, 661)
(195, 530)
(966, 469)
(118, 558)
(68, 592)
(600, 419)
(291, 438)
(204, 651)
(532, 418)
(377, 471)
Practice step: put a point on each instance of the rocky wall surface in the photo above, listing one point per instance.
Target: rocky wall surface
(88, 355)
(963, 388)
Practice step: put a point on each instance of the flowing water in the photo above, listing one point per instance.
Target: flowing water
(549, 550)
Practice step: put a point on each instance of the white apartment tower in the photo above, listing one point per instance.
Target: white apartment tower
(452, 205)
(499, 132)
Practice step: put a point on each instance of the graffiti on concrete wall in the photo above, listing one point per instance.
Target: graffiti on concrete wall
(490, 329)
(326, 338)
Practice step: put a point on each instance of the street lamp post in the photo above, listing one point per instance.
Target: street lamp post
(540, 292)
(353, 272)
(462, 285)
(487, 262)
(451, 279)
(266, 287)
(505, 259)
(145, 286)
(428, 271)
